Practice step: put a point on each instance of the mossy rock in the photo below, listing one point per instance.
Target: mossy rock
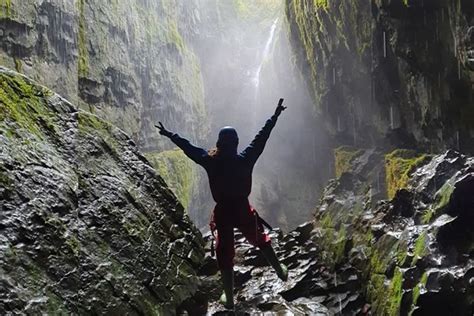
(178, 172)
(344, 156)
(398, 166)
(94, 210)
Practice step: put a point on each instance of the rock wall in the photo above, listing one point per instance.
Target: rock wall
(413, 253)
(128, 62)
(391, 72)
(88, 226)
(396, 77)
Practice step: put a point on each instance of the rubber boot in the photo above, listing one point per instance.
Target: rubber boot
(280, 268)
(227, 297)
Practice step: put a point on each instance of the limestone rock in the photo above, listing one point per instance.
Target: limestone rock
(88, 226)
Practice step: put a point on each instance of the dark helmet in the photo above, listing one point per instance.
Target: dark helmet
(227, 137)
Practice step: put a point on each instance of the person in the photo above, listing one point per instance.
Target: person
(230, 180)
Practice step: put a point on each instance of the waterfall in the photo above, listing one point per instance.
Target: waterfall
(266, 53)
(256, 78)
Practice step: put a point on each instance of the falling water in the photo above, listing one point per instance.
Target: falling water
(256, 79)
(457, 141)
(266, 53)
(392, 125)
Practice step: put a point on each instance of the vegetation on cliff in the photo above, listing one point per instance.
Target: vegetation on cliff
(88, 225)
(398, 166)
(402, 256)
(388, 67)
(343, 158)
(177, 170)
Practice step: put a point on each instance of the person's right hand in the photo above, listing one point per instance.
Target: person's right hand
(280, 108)
(163, 131)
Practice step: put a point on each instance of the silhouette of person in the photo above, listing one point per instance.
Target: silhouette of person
(230, 180)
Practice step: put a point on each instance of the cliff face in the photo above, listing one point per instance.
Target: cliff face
(127, 62)
(389, 75)
(392, 72)
(413, 253)
(87, 224)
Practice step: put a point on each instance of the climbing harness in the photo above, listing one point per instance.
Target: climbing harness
(260, 223)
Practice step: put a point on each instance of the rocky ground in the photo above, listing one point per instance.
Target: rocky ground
(312, 288)
(411, 255)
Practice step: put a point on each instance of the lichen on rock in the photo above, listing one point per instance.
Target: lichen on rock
(398, 165)
(178, 172)
(88, 224)
(409, 263)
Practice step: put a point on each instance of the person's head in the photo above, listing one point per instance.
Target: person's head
(228, 140)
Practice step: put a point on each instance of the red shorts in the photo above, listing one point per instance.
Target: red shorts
(240, 215)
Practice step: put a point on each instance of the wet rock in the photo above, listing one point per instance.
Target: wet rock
(402, 203)
(311, 288)
(88, 226)
(402, 253)
(130, 79)
(390, 48)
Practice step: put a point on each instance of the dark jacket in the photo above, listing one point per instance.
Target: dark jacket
(230, 174)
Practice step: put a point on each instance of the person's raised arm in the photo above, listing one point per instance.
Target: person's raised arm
(198, 155)
(255, 149)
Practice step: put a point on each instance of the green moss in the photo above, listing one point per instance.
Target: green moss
(378, 262)
(420, 248)
(363, 239)
(333, 240)
(6, 8)
(174, 36)
(83, 58)
(444, 195)
(402, 252)
(398, 166)
(395, 293)
(385, 297)
(442, 198)
(24, 104)
(339, 245)
(306, 32)
(326, 221)
(74, 244)
(321, 4)
(376, 290)
(177, 171)
(427, 215)
(90, 124)
(321, 27)
(18, 64)
(343, 157)
(417, 290)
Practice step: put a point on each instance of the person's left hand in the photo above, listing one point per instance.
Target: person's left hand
(280, 108)
(163, 130)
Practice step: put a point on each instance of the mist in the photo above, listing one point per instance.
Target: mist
(247, 65)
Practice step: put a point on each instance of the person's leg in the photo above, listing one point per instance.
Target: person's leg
(225, 259)
(256, 236)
